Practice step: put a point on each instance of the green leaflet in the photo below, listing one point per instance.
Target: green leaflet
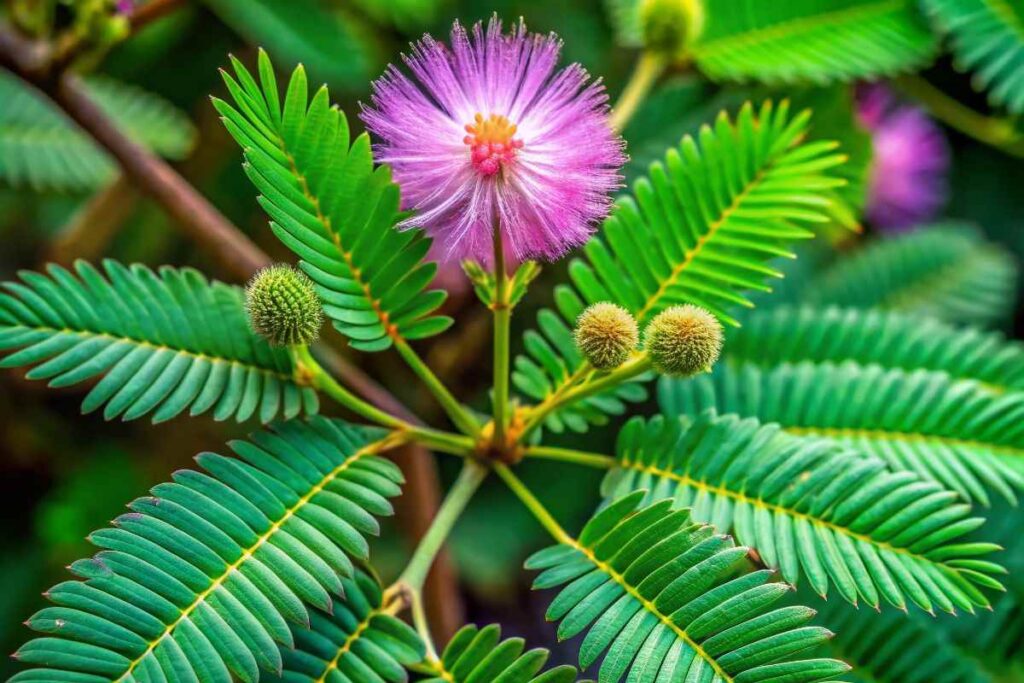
(811, 509)
(818, 41)
(947, 271)
(477, 655)
(162, 342)
(987, 39)
(304, 31)
(40, 148)
(699, 229)
(892, 647)
(329, 205)
(199, 581)
(954, 432)
(870, 337)
(358, 641)
(660, 600)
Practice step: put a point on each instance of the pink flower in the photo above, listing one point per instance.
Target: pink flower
(487, 130)
(907, 183)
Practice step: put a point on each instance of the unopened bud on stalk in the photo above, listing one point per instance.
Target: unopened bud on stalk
(683, 340)
(606, 335)
(669, 27)
(283, 306)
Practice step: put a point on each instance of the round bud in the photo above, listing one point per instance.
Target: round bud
(683, 340)
(283, 306)
(606, 334)
(670, 26)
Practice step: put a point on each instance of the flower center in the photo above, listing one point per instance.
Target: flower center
(491, 143)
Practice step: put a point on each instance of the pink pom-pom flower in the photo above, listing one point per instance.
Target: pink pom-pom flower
(489, 132)
(908, 178)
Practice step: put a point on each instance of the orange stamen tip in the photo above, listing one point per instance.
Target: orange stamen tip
(491, 143)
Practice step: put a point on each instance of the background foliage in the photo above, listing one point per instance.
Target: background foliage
(64, 476)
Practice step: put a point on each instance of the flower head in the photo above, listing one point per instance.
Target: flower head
(489, 130)
(683, 340)
(606, 334)
(907, 182)
(283, 306)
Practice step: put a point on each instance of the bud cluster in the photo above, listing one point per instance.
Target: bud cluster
(283, 306)
(681, 341)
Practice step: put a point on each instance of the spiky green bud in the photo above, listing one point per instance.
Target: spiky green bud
(283, 306)
(606, 334)
(683, 340)
(669, 27)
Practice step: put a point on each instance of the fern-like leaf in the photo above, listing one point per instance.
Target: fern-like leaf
(476, 654)
(955, 432)
(699, 229)
(988, 39)
(816, 41)
(897, 648)
(660, 596)
(199, 581)
(885, 338)
(42, 149)
(163, 342)
(946, 271)
(329, 205)
(360, 640)
(845, 519)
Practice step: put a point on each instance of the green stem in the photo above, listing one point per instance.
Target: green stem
(422, 626)
(502, 328)
(571, 456)
(443, 442)
(532, 504)
(460, 417)
(633, 368)
(646, 73)
(323, 381)
(998, 133)
(415, 573)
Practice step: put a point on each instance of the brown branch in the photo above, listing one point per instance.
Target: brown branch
(234, 251)
(151, 11)
(197, 218)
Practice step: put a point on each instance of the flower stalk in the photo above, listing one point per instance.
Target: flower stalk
(997, 133)
(502, 327)
(648, 70)
(640, 364)
(410, 584)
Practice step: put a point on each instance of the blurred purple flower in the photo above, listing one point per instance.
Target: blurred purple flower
(908, 178)
(488, 130)
(124, 7)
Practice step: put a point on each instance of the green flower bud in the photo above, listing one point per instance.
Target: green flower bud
(283, 306)
(683, 340)
(606, 334)
(670, 26)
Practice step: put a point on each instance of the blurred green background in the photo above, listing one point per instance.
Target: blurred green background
(63, 474)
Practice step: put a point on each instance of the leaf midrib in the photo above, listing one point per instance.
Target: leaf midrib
(790, 27)
(691, 254)
(685, 480)
(947, 277)
(886, 435)
(389, 328)
(197, 355)
(357, 633)
(369, 449)
(648, 605)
